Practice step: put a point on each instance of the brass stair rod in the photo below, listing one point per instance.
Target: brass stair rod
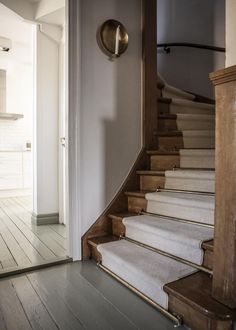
(191, 222)
(185, 191)
(176, 319)
(166, 254)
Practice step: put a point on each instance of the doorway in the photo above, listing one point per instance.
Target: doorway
(33, 151)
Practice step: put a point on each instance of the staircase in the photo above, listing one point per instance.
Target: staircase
(161, 244)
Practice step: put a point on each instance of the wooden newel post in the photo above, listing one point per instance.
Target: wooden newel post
(224, 268)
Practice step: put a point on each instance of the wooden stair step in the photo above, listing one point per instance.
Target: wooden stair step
(118, 229)
(163, 152)
(192, 297)
(151, 180)
(136, 200)
(95, 241)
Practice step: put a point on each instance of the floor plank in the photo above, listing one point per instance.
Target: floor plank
(57, 307)
(21, 242)
(36, 312)
(12, 311)
(104, 316)
(74, 296)
(7, 260)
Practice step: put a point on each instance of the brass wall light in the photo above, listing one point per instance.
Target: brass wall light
(113, 38)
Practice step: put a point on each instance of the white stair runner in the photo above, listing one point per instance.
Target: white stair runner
(185, 106)
(143, 269)
(199, 158)
(180, 239)
(192, 180)
(170, 91)
(199, 139)
(195, 122)
(195, 207)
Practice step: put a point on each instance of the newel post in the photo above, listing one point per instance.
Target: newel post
(224, 268)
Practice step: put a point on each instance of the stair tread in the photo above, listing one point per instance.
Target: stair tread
(137, 262)
(179, 239)
(138, 193)
(163, 152)
(208, 245)
(191, 116)
(121, 215)
(95, 241)
(182, 198)
(151, 172)
(185, 133)
(196, 290)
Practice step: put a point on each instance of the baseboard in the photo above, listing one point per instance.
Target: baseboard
(45, 219)
(5, 193)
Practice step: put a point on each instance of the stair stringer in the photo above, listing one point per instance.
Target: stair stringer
(103, 226)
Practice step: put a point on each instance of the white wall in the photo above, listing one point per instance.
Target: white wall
(230, 32)
(193, 21)
(46, 126)
(18, 63)
(110, 114)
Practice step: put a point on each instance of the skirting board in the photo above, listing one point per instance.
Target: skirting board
(45, 219)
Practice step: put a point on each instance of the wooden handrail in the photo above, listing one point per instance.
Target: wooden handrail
(167, 46)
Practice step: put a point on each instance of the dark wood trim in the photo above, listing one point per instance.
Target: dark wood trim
(149, 72)
(224, 266)
(46, 264)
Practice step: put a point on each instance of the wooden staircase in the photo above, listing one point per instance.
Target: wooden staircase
(190, 297)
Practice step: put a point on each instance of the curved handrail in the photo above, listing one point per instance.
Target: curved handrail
(167, 46)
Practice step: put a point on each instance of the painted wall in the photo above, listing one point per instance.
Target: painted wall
(110, 114)
(230, 32)
(18, 63)
(192, 21)
(46, 125)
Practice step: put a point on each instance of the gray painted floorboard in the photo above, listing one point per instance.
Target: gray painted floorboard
(24, 244)
(74, 296)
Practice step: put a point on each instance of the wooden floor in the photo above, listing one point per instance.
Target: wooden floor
(23, 244)
(74, 296)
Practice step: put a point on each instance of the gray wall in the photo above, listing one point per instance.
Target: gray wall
(195, 21)
(110, 114)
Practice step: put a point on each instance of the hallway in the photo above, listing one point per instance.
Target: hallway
(74, 296)
(23, 244)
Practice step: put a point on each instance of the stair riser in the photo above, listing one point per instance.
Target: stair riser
(171, 142)
(190, 184)
(195, 319)
(183, 212)
(208, 259)
(180, 142)
(175, 109)
(167, 124)
(197, 162)
(166, 162)
(173, 124)
(151, 182)
(118, 228)
(136, 204)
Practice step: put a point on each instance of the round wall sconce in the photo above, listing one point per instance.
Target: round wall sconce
(113, 38)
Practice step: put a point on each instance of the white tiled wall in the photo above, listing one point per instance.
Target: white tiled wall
(13, 134)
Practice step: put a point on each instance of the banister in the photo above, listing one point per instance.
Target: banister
(167, 46)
